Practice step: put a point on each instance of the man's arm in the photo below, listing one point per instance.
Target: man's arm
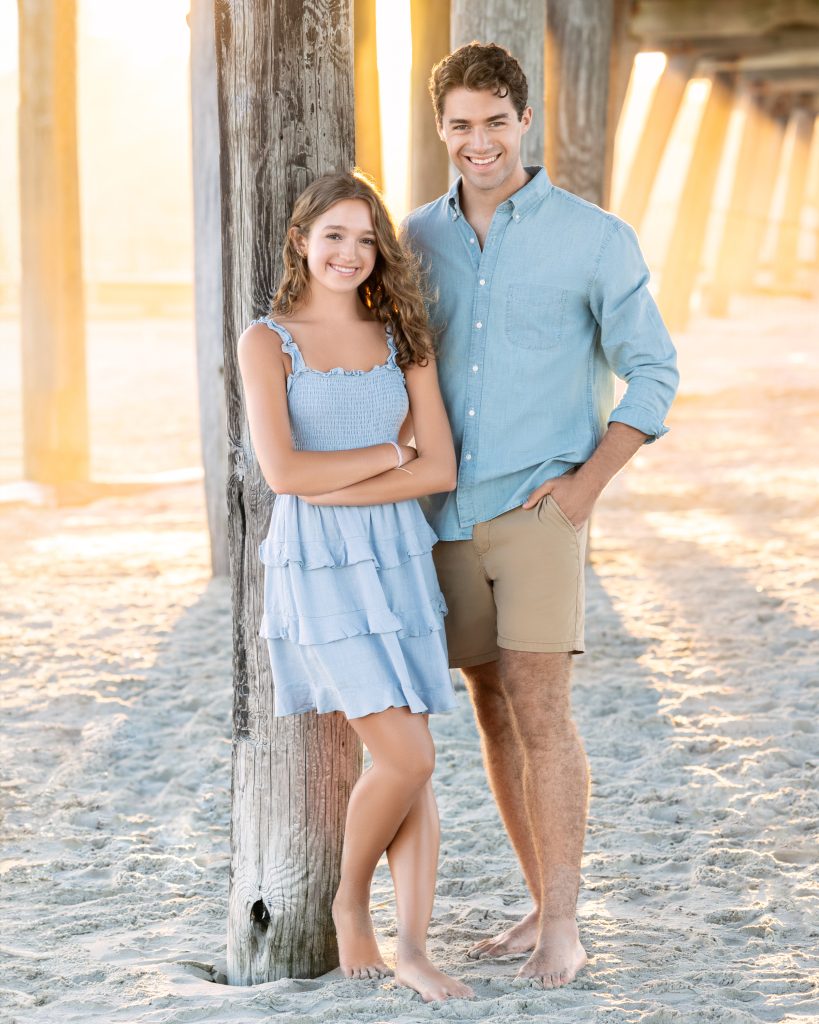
(577, 492)
(639, 351)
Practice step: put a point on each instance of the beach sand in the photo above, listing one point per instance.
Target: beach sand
(696, 701)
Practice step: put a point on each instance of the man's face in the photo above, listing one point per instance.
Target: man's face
(482, 133)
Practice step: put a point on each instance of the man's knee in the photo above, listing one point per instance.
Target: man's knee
(488, 697)
(537, 686)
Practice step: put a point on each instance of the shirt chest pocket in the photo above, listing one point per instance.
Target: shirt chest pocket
(535, 316)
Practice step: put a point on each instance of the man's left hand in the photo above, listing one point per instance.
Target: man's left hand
(574, 494)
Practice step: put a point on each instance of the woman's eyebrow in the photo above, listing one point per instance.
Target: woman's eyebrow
(343, 227)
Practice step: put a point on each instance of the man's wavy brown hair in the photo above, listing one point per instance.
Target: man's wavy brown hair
(392, 292)
(479, 66)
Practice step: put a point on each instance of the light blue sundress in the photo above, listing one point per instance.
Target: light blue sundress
(353, 613)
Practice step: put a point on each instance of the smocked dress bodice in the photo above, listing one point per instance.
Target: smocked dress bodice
(339, 409)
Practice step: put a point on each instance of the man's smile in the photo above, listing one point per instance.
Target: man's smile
(483, 161)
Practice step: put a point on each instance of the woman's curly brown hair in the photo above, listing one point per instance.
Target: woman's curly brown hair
(392, 292)
(479, 66)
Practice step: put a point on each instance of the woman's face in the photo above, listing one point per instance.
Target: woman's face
(341, 247)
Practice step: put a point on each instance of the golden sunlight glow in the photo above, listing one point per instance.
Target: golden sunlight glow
(393, 40)
(154, 29)
(645, 74)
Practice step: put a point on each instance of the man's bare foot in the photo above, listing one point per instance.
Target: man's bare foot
(558, 955)
(358, 951)
(520, 938)
(414, 969)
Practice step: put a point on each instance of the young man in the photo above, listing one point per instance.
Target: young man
(541, 298)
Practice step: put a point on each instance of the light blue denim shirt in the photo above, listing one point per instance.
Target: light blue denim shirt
(531, 330)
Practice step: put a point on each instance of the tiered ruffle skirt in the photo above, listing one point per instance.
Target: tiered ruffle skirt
(353, 614)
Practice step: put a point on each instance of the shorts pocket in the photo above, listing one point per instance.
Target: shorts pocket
(535, 316)
(550, 503)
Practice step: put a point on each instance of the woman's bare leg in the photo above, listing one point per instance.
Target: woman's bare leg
(403, 757)
(413, 860)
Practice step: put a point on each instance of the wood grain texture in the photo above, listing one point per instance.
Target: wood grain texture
(207, 233)
(519, 25)
(578, 50)
(55, 408)
(285, 91)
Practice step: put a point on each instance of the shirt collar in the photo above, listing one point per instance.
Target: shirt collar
(519, 204)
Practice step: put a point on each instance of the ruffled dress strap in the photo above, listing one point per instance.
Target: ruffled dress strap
(288, 345)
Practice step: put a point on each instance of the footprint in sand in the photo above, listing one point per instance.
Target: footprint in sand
(795, 856)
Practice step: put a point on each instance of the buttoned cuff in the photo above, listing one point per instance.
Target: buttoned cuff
(641, 419)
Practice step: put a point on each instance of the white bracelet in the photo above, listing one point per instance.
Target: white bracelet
(399, 453)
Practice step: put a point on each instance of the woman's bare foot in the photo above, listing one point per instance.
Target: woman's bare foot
(358, 951)
(414, 969)
(520, 938)
(558, 955)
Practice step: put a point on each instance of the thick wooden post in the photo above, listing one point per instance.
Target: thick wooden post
(367, 97)
(578, 54)
(624, 48)
(787, 244)
(741, 214)
(207, 262)
(812, 192)
(286, 114)
(764, 173)
(55, 415)
(519, 25)
(648, 153)
(429, 165)
(685, 249)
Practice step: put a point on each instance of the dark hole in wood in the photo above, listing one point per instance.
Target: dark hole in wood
(259, 914)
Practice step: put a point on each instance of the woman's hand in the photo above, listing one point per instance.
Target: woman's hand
(408, 453)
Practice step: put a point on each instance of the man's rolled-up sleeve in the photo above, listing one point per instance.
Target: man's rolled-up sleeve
(633, 336)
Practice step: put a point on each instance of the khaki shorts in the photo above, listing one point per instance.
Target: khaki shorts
(517, 584)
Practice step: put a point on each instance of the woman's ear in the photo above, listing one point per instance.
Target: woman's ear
(298, 241)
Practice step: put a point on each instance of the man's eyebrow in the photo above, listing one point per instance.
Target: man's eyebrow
(465, 120)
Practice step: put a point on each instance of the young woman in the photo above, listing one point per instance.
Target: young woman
(337, 379)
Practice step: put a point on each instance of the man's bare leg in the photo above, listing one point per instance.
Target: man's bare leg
(503, 757)
(555, 787)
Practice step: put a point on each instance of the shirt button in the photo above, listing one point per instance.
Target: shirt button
(471, 412)
(517, 216)
(468, 456)
(479, 325)
(475, 368)
(471, 241)
(482, 281)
